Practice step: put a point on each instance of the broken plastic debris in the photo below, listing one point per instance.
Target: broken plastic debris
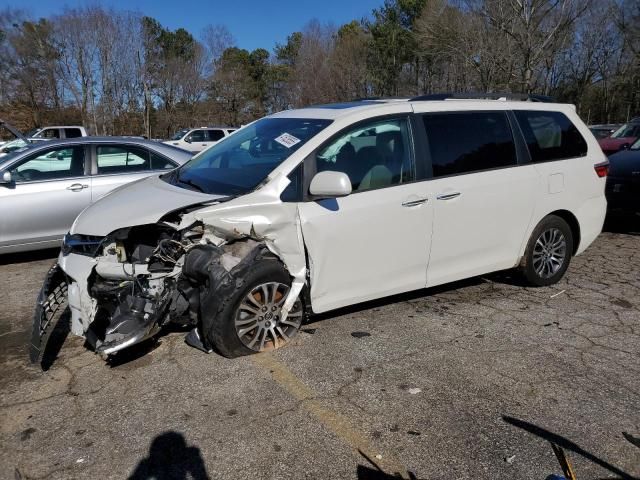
(360, 334)
(556, 294)
(80, 460)
(379, 457)
(414, 391)
(510, 459)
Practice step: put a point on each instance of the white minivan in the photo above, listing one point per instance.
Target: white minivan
(314, 209)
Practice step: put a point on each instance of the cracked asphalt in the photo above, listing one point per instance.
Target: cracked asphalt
(415, 385)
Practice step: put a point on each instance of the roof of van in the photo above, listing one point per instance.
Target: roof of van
(334, 111)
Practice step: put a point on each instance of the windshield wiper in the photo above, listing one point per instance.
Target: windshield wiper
(191, 183)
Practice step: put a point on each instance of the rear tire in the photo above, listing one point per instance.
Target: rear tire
(548, 252)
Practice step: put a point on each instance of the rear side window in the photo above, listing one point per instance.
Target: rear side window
(214, 135)
(550, 135)
(121, 159)
(72, 132)
(469, 142)
(160, 163)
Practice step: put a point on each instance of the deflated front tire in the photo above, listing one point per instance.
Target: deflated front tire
(51, 304)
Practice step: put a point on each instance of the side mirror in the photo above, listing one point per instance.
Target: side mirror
(187, 139)
(330, 184)
(6, 178)
(625, 147)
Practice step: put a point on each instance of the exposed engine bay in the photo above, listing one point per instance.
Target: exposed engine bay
(126, 286)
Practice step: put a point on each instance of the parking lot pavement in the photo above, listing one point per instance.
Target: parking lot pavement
(416, 384)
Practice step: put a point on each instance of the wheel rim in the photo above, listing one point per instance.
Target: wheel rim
(258, 320)
(549, 253)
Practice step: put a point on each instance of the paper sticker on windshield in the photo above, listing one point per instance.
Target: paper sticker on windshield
(287, 140)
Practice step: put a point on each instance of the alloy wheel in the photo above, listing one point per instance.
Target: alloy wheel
(549, 252)
(258, 320)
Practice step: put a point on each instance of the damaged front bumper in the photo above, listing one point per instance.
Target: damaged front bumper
(124, 287)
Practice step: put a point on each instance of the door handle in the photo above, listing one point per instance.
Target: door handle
(448, 196)
(414, 203)
(76, 187)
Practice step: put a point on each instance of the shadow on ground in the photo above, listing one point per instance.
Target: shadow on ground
(24, 257)
(170, 458)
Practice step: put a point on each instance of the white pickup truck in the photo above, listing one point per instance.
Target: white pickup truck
(41, 134)
(49, 133)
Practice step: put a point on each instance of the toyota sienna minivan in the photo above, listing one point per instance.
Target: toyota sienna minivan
(309, 210)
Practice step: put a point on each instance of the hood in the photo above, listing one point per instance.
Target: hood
(138, 203)
(623, 164)
(614, 144)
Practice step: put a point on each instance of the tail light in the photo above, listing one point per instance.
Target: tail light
(602, 169)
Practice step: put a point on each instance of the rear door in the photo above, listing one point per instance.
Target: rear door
(483, 198)
(117, 164)
(50, 190)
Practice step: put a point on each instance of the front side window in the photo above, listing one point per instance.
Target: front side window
(469, 142)
(49, 133)
(196, 136)
(214, 135)
(52, 164)
(240, 162)
(121, 159)
(550, 135)
(373, 155)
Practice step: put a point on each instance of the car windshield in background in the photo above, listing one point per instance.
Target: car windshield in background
(627, 130)
(237, 164)
(635, 145)
(179, 134)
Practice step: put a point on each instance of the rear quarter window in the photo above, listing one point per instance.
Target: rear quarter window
(550, 135)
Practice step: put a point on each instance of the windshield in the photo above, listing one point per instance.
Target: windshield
(32, 133)
(627, 130)
(238, 164)
(179, 134)
(635, 145)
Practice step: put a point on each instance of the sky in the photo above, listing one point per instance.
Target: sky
(253, 23)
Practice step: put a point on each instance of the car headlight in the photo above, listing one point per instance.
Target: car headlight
(81, 244)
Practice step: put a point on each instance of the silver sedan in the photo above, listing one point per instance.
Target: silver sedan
(45, 186)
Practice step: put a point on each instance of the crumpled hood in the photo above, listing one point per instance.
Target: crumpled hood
(137, 203)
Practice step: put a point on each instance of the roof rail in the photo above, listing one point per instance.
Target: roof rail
(522, 97)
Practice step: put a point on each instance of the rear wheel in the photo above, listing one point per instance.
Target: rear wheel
(548, 252)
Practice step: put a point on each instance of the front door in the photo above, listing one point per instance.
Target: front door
(50, 190)
(375, 241)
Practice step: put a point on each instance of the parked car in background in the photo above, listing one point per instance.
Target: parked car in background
(604, 130)
(315, 209)
(45, 185)
(56, 132)
(623, 182)
(8, 134)
(197, 139)
(41, 134)
(621, 138)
